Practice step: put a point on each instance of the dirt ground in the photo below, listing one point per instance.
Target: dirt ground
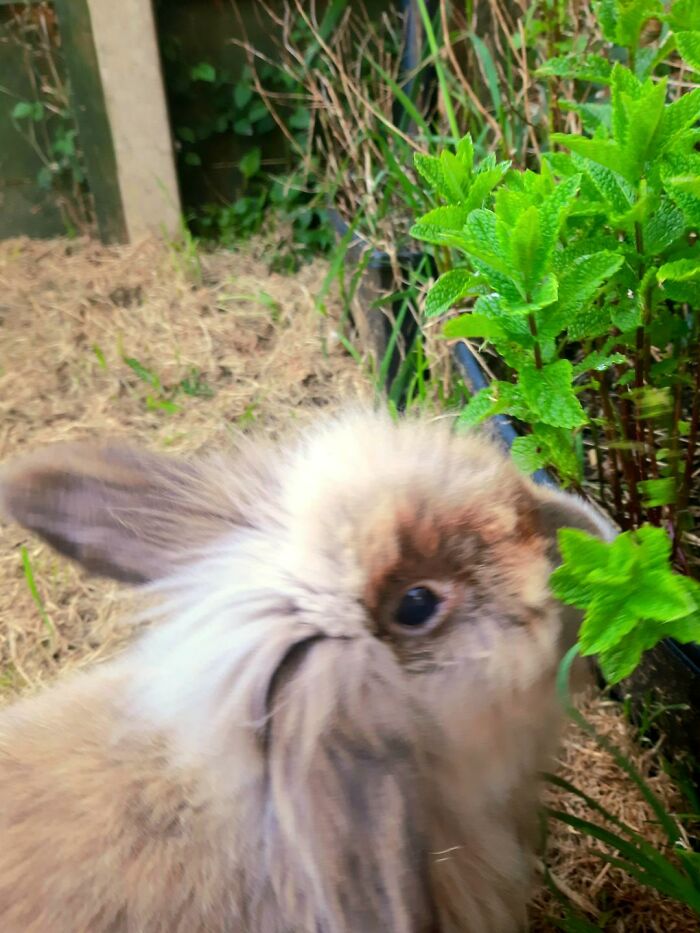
(177, 350)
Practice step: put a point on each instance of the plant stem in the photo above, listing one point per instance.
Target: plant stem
(630, 461)
(684, 495)
(613, 452)
(533, 330)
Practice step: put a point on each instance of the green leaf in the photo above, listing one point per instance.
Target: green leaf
(483, 184)
(455, 176)
(614, 190)
(660, 596)
(663, 228)
(606, 621)
(621, 660)
(448, 290)
(441, 221)
(678, 117)
(250, 163)
(525, 245)
(682, 270)
(598, 362)
(689, 47)
(603, 151)
(472, 325)
(657, 492)
(528, 453)
(684, 15)
(581, 282)
(204, 71)
(242, 94)
(479, 407)
(465, 152)
(549, 393)
(593, 68)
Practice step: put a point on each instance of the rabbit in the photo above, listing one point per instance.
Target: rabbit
(337, 720)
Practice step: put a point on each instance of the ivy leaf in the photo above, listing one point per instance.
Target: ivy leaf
(448, 290)
(549, 393)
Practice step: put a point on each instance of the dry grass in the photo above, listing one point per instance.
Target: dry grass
(69, 313)
(71, 310)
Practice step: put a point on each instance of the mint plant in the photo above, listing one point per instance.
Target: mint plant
(581, 280)
(628, 582)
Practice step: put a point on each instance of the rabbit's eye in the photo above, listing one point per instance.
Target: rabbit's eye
(417, 606)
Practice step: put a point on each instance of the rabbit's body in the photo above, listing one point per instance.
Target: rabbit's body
(280, 754)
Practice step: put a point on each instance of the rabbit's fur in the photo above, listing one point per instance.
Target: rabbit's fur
(277, 755)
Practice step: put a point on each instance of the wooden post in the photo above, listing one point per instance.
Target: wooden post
(91, 117)
(113, 61)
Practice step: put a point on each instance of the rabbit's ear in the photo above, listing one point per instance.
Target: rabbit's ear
(119, 512)
(557, 509)
(347, 834)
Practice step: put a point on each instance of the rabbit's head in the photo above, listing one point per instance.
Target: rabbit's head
(370, 601)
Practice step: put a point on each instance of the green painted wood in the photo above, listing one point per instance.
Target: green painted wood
(91, 116)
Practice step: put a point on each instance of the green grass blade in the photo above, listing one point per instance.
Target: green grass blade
(439, 69)
(669, 825)
(34, 590)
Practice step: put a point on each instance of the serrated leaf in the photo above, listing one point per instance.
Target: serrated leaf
(570, 589)
(592, 320)
(598, 362)
(479, 407)
(614, 190)
(549, 393)
(593, 68)
(657, 492)
(678, 117)
(605, 623)
(525, 244)
(448, 290)
(528, 453)
(483, 184)
(473, 325)
(663, 228)
(689, 47)
(606, 152)
(465, 151)
(622, 659)
(581, 282)
(682, 270)
(431, 171)
(660, 596)
(455, 176)
(684, 15)
(583, 552)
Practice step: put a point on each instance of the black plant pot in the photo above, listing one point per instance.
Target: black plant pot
(667, 682)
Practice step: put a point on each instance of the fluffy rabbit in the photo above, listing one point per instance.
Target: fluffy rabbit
(336, 725)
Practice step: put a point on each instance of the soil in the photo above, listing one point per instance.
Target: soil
(176, 350)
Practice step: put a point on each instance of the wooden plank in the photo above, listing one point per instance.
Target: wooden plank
(91, 117)
(129, 61)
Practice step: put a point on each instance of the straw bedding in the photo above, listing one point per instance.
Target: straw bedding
(217, 344)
